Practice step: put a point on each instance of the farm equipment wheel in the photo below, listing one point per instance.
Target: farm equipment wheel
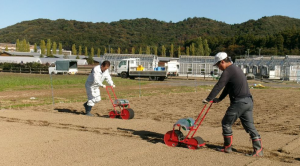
(172, 139)
(127, 113)
(195, 143)
(114, 114)
(124, 75)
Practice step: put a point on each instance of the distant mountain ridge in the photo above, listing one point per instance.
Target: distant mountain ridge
(139, 32)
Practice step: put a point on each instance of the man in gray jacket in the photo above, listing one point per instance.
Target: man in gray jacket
(241, 103)
(93, 82)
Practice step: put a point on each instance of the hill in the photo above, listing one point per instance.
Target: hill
(141, 32)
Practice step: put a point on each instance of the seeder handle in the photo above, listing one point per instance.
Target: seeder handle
(112, 89)
(211, 102)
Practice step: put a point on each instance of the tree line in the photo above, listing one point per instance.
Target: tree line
(275, 35)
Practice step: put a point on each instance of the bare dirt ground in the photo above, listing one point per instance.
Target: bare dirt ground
(62, 135)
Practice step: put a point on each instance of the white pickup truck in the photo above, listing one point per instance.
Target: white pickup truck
(131, 68)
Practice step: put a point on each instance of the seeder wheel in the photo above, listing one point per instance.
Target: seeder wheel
(114, 114)
(127, 113)
(172, 139)
(195, 143)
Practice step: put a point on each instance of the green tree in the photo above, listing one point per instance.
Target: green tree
(187, 50)
(43, 47)
(207, 50)
(86, 51)
(80, 50)
(23, 46)
(74, 51)
(126, 51)
(49, 47)
(105, 51)
(92, 52)
(18, 45)
(148, 50)
(54, 47)
(35, 47)
(90, 59)
(172, 51)
(98, 52)
(199, 50)
(193, 49)
(111, 50)
(163, 51)
(28, 47)
(132, 50)
(141, 50)
(179, 51)
(6, 48)
(59, 48)
(155, 50)
(119, 50)
(279, 42)
(77, 57)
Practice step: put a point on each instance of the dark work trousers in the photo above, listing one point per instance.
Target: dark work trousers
(241, 108)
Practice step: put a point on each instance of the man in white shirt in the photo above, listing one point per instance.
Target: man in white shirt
(93, 82)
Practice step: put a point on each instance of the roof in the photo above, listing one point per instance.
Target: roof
(34, 54)
(52, 60)
(166, 58)
(98, 59)
(13, 59)
(70, 56)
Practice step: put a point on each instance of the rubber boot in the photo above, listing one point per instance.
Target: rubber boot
(227, 144)
(257, 148)
(87, 109)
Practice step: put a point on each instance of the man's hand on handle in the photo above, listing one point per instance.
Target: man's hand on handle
(204, 101)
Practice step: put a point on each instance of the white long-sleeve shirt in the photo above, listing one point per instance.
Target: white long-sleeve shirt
(96, 77)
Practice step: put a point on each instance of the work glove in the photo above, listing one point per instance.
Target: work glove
(216, 100)
(104, 86)
(204, 101)
(113, 86)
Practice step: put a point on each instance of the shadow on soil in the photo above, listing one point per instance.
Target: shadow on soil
(154, 138)
(70, 111)
(149, 136)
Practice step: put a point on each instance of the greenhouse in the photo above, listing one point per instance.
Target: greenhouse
(200, 66)
(274, 67)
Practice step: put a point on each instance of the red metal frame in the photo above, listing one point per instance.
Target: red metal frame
(193, 128)
(112, 102)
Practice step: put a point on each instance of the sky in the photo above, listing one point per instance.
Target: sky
(228, 11)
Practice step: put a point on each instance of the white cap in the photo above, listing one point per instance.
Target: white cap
(220, 56)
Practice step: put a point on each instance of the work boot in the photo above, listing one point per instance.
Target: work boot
(87, 109)
(257, 147)
(227, 144)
